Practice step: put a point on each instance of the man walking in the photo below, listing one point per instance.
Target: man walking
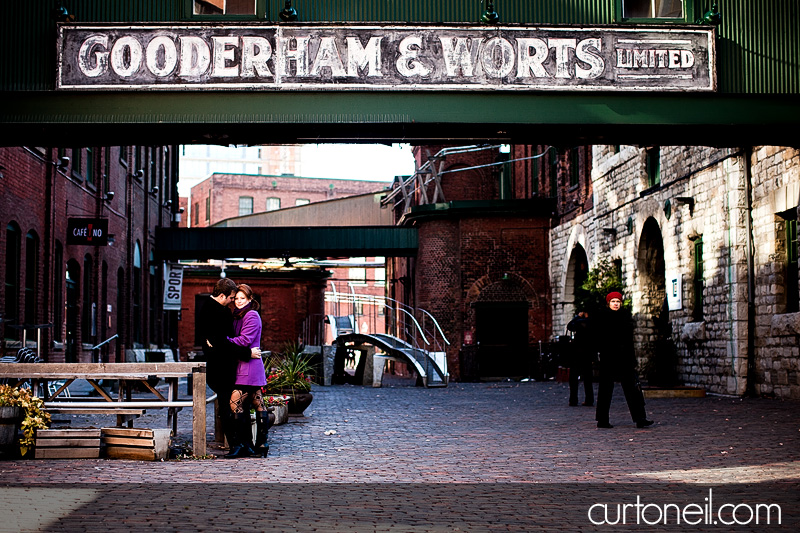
(618, 363)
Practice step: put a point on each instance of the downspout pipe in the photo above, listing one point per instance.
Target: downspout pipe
(750, 387)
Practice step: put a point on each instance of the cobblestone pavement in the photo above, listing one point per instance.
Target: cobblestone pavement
(466, 434)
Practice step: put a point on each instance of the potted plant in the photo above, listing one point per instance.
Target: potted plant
(290, 373)
(20, 408)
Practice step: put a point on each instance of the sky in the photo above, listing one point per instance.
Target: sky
(357, 161)
(376, 162)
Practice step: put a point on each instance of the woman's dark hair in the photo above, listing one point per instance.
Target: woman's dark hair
(254, 301)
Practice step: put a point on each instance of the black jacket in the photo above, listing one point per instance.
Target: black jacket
(615, 336)
(215, 322)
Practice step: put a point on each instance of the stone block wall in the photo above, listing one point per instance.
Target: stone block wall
(713, 352)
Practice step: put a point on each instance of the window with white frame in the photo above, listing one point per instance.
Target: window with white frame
(273, 203)
(302, 201)
(670, 10)
(245, 205)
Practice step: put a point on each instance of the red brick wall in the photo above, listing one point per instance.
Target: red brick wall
(38, 197)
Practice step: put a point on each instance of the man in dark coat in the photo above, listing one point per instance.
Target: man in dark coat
(215, 321)
(583, 351)
(618, 363)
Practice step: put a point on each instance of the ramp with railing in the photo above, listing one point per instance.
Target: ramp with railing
(430, 365)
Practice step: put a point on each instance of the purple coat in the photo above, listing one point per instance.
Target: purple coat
(248, 333)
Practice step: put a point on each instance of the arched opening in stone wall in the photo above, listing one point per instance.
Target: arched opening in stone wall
(577, 270)
(651, 281)
(501, 330)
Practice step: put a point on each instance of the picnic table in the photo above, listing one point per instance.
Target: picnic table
(122, 404)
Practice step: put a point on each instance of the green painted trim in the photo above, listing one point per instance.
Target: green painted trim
(100, 118)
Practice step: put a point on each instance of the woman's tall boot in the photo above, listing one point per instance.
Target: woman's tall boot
(243, 445)
(264, 420)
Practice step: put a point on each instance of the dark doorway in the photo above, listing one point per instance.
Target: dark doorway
(501, 330)
(73, 310)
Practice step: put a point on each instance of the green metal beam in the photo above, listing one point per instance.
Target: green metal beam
(222, 243)
(106, 118)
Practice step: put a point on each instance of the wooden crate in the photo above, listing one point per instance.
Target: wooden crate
(136, 443)
(67, 444)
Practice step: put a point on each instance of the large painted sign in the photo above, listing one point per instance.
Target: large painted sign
(338, 57)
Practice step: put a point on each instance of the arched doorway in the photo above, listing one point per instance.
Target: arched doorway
(652, 286)
(72, 310)
(577, 270)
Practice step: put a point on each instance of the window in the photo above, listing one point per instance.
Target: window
(208, 207)
(245, 205)
(31, 277)
(273, 204)
(792, 297)
(535, 176)
(123, 156)
(574, 167)
(380, 273)
(11, 311)
(77, 163)
(302, 201)
(106, 169)
(89, 173)
(656, 10)
(58, 292)
(697, 282)
(357, 275)
(196, 213)
(136, 295)
(653, 166)
(89, 307)
(554, 156)
(152, 302)
(229, 8)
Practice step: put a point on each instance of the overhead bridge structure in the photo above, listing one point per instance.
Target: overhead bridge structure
(259, 242)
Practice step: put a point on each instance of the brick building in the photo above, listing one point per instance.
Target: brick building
(482, 268)
(84, 294)
(716, 231)
(224, 196)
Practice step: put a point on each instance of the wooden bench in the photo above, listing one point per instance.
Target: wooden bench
(122, 405)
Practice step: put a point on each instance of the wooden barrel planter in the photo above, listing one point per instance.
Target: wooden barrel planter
(10, 419)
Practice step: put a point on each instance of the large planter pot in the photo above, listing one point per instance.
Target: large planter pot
(298, 402)
(10, 419)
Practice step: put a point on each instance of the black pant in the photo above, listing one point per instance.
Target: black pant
(633, 395)
(581, 370)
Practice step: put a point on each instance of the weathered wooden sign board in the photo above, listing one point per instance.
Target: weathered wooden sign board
(370, 57)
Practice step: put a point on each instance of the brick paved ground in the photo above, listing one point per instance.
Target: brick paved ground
(467, 433)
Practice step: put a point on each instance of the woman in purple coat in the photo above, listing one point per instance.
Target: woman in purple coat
(250, 377)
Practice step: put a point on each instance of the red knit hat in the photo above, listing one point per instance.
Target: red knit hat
(612, 295)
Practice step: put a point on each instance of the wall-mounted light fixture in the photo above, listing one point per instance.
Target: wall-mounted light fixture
(712, 17)
(629, 225)
(62, 163)
(60, 13)
(668, 209)
(688, 200)
(111, 239)
(2, 169)
(610, 231)
(289, 14)
(490, 16)
(138, 174)
(154, 190)
(109, 196)
(168, 203)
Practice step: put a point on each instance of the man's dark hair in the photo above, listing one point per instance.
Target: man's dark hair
(224, 286)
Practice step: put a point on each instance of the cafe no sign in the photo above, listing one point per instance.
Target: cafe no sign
(331, 57)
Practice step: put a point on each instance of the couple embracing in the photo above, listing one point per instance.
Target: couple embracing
(235, 369)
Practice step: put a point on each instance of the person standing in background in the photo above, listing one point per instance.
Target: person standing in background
(618, 363)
